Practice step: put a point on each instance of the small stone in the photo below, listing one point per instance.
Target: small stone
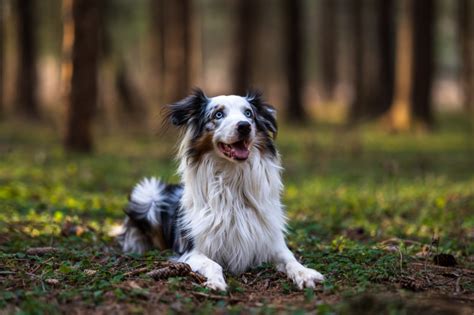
(90, 272)
(52, 281)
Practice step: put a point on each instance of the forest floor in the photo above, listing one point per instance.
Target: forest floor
(368, 209)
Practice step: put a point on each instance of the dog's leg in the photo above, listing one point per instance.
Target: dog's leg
(286, 262)
(207, 267)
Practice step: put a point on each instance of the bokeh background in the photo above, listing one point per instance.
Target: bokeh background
(400, 62)
(375, 101)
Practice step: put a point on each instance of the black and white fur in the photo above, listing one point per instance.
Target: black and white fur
(226, 214)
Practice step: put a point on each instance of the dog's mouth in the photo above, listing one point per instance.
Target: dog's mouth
(237, 151)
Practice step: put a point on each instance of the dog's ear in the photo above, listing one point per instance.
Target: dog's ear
(187, 110)
(266, 113)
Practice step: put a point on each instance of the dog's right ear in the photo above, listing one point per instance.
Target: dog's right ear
(188, 110)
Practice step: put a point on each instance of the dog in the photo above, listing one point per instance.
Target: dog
(226, 215)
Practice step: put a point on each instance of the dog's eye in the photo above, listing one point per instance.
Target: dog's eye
(219, 114)
(248, 113)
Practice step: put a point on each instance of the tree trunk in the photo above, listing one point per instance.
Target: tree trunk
(84, 90)
(359, 102)
(67, 46)
(399, 116)
(385, 37)
(177, 40)
(373, 51)
(26, 87)
(158, 45)
(466, 39)
(423, 15)
(113, 60)
(2, 47)
(294, 48)
(130, 98)
(328, 47)
(245, 40)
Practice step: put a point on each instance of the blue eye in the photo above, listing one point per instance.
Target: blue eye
(218, 115)
(248, 113)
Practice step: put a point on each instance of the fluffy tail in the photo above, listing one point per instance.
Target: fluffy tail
(142, 229)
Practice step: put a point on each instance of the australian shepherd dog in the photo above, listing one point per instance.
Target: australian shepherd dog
(226, 215)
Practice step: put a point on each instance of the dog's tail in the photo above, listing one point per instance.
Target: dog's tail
(143, 227)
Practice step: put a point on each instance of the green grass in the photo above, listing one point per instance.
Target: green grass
(347, 193)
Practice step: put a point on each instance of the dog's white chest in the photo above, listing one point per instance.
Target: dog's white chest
(234, 215)
(239, 241)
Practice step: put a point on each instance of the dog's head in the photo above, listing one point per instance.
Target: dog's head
(230, 125)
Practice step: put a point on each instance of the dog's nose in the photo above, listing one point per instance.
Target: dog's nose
(243, 127)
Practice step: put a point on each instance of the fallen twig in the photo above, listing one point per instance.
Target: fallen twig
(135, 272)
(458, 285)
(217, 297)
(465, 271)
(41, 250)
(6, 272)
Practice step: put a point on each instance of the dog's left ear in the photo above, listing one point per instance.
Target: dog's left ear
(187, 110)
(266, 113)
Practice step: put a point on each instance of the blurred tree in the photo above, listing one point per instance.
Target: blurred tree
(27, 81)
(130, 99)
(359, 102)
(293, 45)
(423, 16)
(2, 47)
(245, 40)
(372, 28)
(328, 35)
(386, 40)
(177, 48)
(466, 39)
(113, 56)
(67, 46)
(158, 44)
(399, 115)
(86, 16)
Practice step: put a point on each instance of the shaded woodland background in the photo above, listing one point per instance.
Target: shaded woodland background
(376, 112)
(84, 65)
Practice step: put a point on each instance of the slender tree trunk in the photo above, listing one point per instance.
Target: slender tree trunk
(2, 47)
(359, 102)
(26, 87)
(399, 116)
(423, 15)
(466, 39)
(294, 59)
(186, 8)
(113, 61)
(328, 47)
(385, 36)
(245, 40)
(84, 86)
(177, 39)
(373, 53)
(67, 46)
(130, 98)
(158, 44)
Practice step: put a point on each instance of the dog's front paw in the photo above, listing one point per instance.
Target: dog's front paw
(303, 277)
(216, 284)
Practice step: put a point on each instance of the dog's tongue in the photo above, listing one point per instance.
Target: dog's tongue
(240, 151)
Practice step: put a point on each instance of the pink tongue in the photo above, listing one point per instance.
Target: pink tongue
(240, 151)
